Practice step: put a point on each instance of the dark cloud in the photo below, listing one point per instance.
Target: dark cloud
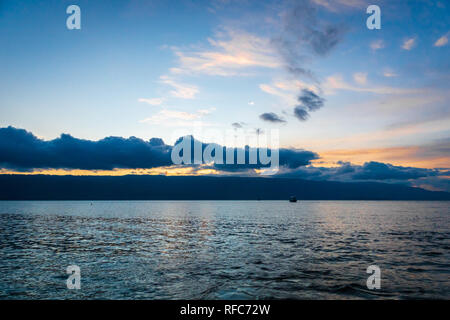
(310, 100)
(271, 117)
(301, 113)
(295, 158)
(288, 158)
(304, 31)
(20, 150)
(238, 125)
(436, 183)
(373, 171)
(382, 171)
(304, 38)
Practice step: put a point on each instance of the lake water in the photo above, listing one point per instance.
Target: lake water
(224, 249)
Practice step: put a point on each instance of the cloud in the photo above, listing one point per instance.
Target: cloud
(336, 82)
(374, 172)
(216, 5)
(409, 43)
(431, 155)
(389, 73)
(288, 158)
(433, 183)
(295, 158)
(336, 5)
(442, 41)
(377, 44)
(303, 31)
(382, 171)
(230, 53)
(272, 117)
(301, 114)
(238, 125)
(182, 91)
(294, 85)
(251, 103)
(369, 171)
(166, 117)
(304, 38)
(20, 150)
(287, 90)
(153, 101)
(204, 112)
(286, 97)
(309, 101)
(360, 78)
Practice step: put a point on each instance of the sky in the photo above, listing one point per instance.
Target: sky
(311, 69)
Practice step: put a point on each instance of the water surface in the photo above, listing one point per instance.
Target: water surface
(224, 249)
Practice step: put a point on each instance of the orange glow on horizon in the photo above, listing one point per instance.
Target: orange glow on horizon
(166, 171)
(398, 156)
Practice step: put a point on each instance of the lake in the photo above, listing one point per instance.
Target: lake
(224, 249)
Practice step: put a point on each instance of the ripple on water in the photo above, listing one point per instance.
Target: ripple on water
(224, 249)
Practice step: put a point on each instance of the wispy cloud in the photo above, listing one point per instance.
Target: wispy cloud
(409, 43)
(442, 41)
(360, 78)
(287, 90)
(228, 54)
(388, 73)
(182, 91)
(377, 44)
(336, 5)
(174, 117)
(165, 114)
(287, 97)
(153, 101)
(204, 112)
(336, 82)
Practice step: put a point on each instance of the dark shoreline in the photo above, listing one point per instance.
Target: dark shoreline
(135, 187)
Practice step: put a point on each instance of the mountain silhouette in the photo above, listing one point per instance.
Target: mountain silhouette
(139, 187)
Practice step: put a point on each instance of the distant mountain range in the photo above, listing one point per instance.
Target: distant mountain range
(133, 187)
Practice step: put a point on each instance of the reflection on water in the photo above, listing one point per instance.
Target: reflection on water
(224, 249)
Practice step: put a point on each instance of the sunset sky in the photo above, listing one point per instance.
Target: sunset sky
(163, 69)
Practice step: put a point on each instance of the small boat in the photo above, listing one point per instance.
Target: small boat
(292, 199)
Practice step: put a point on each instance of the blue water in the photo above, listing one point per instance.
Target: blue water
(224, 249)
